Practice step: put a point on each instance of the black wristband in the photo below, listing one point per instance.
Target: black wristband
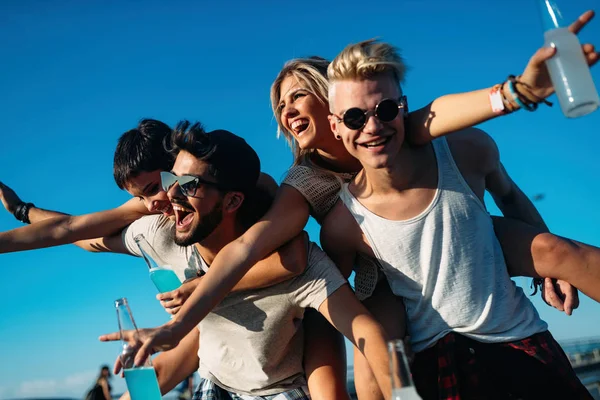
(22, 212)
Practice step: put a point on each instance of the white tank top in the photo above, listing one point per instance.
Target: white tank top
(448, 266)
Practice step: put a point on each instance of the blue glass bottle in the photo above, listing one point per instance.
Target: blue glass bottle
(141, 381)
(162, 275)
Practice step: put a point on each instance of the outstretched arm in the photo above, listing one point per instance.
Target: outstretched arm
(283, 221)
(11, 202)
(343, 310)
(64, 229)
(285, 263)
(453, 112)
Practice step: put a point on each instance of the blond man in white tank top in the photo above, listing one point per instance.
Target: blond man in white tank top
(419, 211)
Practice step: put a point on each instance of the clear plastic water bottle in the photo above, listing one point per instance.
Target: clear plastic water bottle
(141, 381)
(403, 387)
(162, 275)
(568, 68)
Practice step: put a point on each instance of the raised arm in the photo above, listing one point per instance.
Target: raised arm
(64, 229)
(453, 112)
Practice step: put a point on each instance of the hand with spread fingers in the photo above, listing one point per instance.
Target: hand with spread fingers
(536, 79)
(144, 343)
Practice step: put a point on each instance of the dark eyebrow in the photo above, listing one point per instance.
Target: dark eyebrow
(145, 189)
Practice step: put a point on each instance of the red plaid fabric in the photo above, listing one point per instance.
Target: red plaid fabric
(459, 368)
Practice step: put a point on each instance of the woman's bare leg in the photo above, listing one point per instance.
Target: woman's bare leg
(324, 358)
(389, 311)
(532, 252)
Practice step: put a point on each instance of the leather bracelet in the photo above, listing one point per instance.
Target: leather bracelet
(22, 212)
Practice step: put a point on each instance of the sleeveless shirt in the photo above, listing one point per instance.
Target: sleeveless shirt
(448, 265)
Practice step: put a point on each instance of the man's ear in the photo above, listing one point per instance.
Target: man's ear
(333, 125)
(232, 201)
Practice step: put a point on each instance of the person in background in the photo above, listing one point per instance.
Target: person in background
(101, 389)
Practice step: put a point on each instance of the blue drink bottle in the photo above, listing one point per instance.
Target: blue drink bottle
(568, 68)
(162, 275)
(141, 381)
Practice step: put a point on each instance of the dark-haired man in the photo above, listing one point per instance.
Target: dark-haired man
(139, 158)
(251, 344)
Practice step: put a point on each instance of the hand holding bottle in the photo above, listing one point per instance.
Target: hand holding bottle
(536, 78)
(141, 378)
(173, 300)
(161, 273)
(145, 342)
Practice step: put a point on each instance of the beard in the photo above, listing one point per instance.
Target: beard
(202, 228)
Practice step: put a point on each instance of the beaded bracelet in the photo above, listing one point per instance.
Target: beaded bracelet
(515, 80)
(510, 106)
(517, 98)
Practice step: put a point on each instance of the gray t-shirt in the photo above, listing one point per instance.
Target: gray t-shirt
(159, 231)
(252, 343)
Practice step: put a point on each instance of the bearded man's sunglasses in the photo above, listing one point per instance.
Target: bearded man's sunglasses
(188, 184)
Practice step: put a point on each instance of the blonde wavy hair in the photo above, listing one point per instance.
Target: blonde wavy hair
(365, 60)
(312, 73)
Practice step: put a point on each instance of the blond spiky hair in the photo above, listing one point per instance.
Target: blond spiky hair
(365, 60)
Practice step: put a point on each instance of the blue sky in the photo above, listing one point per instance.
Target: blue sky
(75, 75)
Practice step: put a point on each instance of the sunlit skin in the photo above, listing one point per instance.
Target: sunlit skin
(377, 143)
(147, 187)
(198, 216)
(304, 116)
(168, 335)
